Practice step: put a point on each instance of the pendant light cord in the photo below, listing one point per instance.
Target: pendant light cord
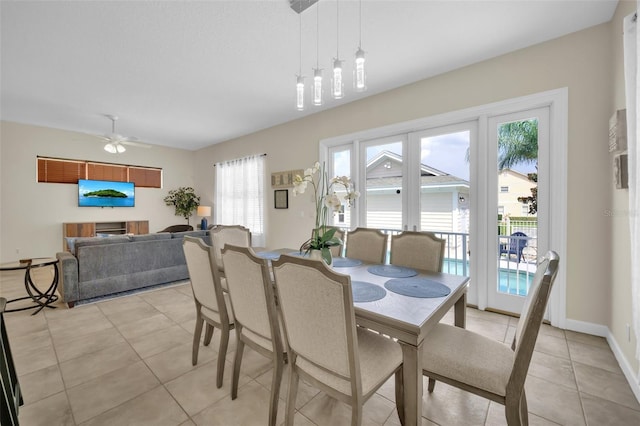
(300, 39)
(337, 31)
(360, 24)
(318, 35)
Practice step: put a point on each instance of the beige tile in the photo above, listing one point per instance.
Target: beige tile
(487, 316)
(180, 312)
(29, 361)
(120, 304)
(41, 384)
(95, 364)
(19, 323)
(54, 410)
(185, 289)
(550, 330)
(28, 342)
(196, 390)
(593, 355)
(77, 346)
(155, 407)
(250, 408)
(602, 412)
(394, 420)
(306, 392)
(552, 368)
(140, 311)
(586, 339)
(110, 390)
(325, 410)
(605, 385)
(56, 316)
(174, 362)
(447, 405)
(496, 417)
(140, 327)
(511, 333)
(78, 326)
(160, 341)
(253, 363)
(188, 423)
(490, 329)
(165, 297)
(553, 402)
(552, 345)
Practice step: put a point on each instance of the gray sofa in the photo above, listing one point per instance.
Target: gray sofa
(102, 266)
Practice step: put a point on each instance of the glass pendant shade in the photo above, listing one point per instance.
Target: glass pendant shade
(360, 75)
(120, 148)
(317, 86)
(110, 148)
(337, 84)
(300, 93)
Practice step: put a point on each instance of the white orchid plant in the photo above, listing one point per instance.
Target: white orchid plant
(327, 203)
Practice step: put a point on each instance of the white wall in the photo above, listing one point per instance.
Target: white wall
(581, 61)
(31, 213)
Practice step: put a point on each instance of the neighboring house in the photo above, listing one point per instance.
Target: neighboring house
(443, 197)
(512, 185)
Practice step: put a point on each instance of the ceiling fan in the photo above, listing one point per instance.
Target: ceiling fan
(116, 142)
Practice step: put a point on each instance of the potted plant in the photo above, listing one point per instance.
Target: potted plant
(184, 200)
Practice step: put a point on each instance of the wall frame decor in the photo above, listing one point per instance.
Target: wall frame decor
(618, 131)
(284, 179)
(621, 171)
(281, 198)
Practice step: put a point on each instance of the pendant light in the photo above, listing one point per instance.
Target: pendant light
(359, 73)
(300, 77)
(337, 84)
(317, 71)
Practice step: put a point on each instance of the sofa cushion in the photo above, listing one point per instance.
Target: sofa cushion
(189, 233)
(94, 241)
(150, 237)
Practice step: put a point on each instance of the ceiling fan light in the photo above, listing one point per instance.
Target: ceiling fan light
(120, 148)
(110, 148)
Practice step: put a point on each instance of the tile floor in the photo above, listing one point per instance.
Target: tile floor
(127, 361)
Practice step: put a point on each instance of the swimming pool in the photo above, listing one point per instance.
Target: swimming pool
(509, 281)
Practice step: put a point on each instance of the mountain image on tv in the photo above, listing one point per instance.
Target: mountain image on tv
(106, 193)
(102, 193)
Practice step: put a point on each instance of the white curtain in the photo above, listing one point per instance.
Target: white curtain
(631, 70)
(240, 195)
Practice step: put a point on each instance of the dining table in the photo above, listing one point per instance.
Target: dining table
(404, 304)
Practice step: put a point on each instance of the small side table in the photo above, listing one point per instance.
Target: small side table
(41, 299)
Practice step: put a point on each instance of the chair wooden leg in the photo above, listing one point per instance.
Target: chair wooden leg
(512, 411)
(208, 334)
(196, 339)
(291, 396)
(356, 413)
(222, 354)
(432, 385)
(524, 412)
(400, 395)
(237, 363)
(278, 366)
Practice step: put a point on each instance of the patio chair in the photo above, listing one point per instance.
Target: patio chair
(324, 346)
(487, 367)
(517, 243)
(256, 318)
(420, 250)
(212, 304)
(366, 244)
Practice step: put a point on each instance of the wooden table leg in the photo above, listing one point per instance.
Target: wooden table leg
(460, 311)
(412, 376)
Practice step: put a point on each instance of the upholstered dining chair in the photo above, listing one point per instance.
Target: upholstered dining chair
(367, 244)
(228, 234)
(485, 366)
(420, 250)
(212, 303)
(324, 346)
(256, 318)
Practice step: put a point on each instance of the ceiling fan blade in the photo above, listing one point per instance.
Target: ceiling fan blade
(136, 144)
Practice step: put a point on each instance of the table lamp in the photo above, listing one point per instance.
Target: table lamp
(204, 212)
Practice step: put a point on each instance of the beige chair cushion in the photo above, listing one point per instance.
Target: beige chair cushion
(488, 366)
(214, 315)
(379, 357)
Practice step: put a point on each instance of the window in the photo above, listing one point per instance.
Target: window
(240, 195)
(525, 209)
(504, 189)
(59, 170)
(500, 210)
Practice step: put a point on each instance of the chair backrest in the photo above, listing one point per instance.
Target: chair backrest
(203, 274)
(252, 296)
(531, 318)
(420, 250)
(236, 235)
(367, 244)
(517, 244)
(318, 316)
(177, 228)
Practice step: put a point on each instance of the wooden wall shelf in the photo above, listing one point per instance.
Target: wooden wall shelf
(91, 229)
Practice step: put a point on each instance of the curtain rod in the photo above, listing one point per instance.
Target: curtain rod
(259, 155)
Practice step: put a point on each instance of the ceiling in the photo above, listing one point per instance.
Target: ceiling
(191, 74)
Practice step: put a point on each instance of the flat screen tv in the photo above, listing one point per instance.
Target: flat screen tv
(104, 193)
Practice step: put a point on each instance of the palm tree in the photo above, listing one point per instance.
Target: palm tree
(518, 143)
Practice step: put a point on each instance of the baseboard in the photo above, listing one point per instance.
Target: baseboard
(603, 331)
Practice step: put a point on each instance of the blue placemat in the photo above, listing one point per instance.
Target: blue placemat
(268, 255)
(345, 262)
(417, 287)
(392, 271)
(366, 292)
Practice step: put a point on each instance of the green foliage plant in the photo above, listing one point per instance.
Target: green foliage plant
(185, 201)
